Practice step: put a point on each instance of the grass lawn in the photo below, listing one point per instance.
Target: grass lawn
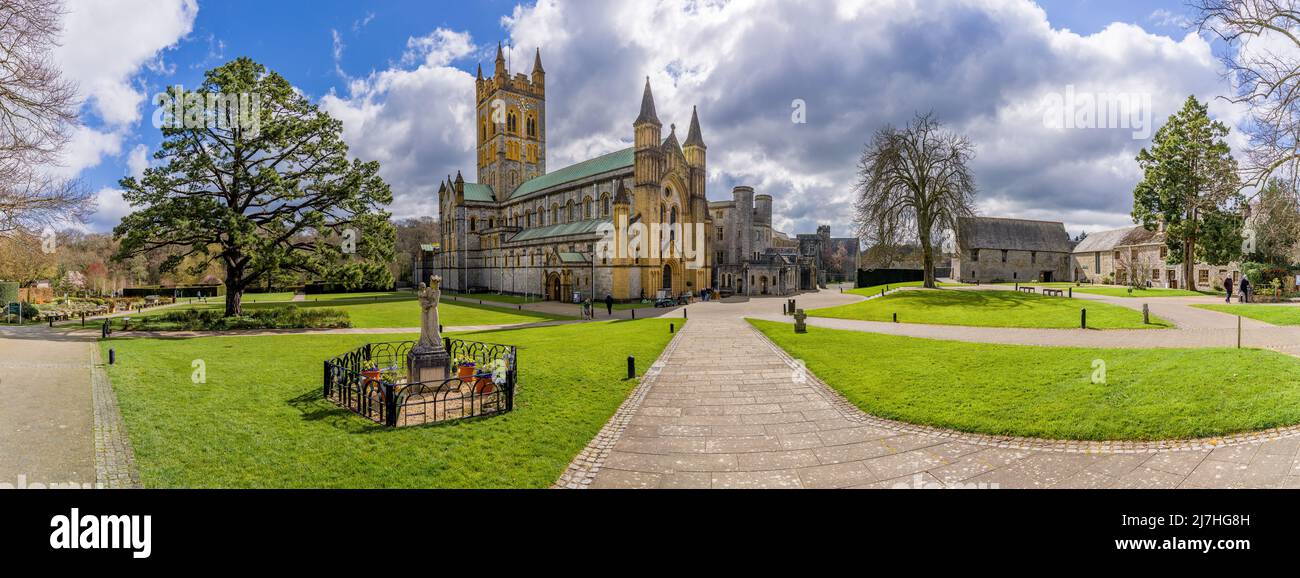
(1048, 392)
(260, 420)
(490, 298)
(1124, 292)
(875, 289)
(989, 309)
(390, 312)
(1275, 314)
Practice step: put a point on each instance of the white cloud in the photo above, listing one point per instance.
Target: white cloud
(415, 118)
(137, 160)
(110, 207)
(86, 149)
(983, 66)
(107, 42)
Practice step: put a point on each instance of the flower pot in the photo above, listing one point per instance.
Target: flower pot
(484, 385)
(465, 372)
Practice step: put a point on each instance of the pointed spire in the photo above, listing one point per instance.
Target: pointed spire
(480, 71)
(693, 137)
(501, 62)
(621, 197)
(537, 63)
(648, 107)
(671, 141)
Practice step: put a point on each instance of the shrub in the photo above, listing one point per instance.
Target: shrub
(290, 317)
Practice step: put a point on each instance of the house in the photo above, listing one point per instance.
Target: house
(1116, 255)
(995, 249)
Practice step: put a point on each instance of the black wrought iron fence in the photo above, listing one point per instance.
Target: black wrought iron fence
(372, 381)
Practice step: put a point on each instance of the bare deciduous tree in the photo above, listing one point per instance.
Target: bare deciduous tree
(1263, 62)
(913, 184)
(37, 106)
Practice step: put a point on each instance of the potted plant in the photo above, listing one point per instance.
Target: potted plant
(493, 374)
(464, 367)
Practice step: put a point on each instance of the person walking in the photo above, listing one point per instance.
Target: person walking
(1227, 288)
(609, 304)
(1245, 290)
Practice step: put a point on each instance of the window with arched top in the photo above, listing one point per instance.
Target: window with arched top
(586, 208)
(512, 122)
(672, 220)
(604, 205)
(555, 213)
(573, 214)
(472, 223)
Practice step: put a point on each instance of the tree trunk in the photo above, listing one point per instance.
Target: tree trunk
(927, 262)
(234, 291)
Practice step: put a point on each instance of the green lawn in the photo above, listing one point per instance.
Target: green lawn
(1275, 314)
(1049, 392)
(490, 298)
(391, 312)
(989, 309)
(260, 420)
(875, 289)
(1124, 292)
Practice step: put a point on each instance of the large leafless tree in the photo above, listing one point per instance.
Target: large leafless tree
(1263, 63)
(37, 107)
(913, 184)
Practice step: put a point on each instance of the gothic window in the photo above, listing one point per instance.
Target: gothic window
(472, 222)
(672, 220)
(573, 214)
(514, 179)
(512, 122)
(604, 205)
(586, 208)
(555, 213)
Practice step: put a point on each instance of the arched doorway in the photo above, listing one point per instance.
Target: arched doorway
(553, 287)
(763, 280)
(667, 282)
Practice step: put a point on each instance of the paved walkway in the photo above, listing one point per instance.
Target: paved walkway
(47, 416)
(724, 408)
(1193, 327)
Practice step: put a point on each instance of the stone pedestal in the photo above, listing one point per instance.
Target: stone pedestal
(799, 325)
(427, 363)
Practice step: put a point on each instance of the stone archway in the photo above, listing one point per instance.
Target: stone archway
(553, 287)
(667, 281)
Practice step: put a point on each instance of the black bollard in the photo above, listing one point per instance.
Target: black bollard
(631, 367)
(634, 313)
(112, 356)
(670, 328)
(683, 313)
(895, 318)
(1071, 292)
(1083, 319)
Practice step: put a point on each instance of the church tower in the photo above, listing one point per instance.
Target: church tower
(510, 126)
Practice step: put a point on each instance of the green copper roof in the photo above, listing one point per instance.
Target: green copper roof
(561, 230)
(430, 247)
(566, 257)
(601, 164)
(478, 192)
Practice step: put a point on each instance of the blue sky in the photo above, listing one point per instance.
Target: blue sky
(398, 98)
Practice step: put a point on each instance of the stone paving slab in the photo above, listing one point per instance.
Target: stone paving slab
(730, 410)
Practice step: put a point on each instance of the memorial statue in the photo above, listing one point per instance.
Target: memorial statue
(428, 360)
(430, 335)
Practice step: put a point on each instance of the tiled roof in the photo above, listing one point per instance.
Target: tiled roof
(1016, 234)
(560, 230)
(602, 164)
(1109, 240)
(566, 257)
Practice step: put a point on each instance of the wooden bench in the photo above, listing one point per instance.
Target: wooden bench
(1056, 292)
(1026, 289)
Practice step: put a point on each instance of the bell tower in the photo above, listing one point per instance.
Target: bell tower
(510, 125)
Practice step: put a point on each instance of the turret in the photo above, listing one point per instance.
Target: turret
(501, 64)
(539, 74)
(694, 145)
(763, 210)
(647, 125)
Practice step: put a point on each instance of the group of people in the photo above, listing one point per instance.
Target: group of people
(1244, 291)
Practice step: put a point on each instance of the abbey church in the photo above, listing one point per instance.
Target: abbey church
(519, 229)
